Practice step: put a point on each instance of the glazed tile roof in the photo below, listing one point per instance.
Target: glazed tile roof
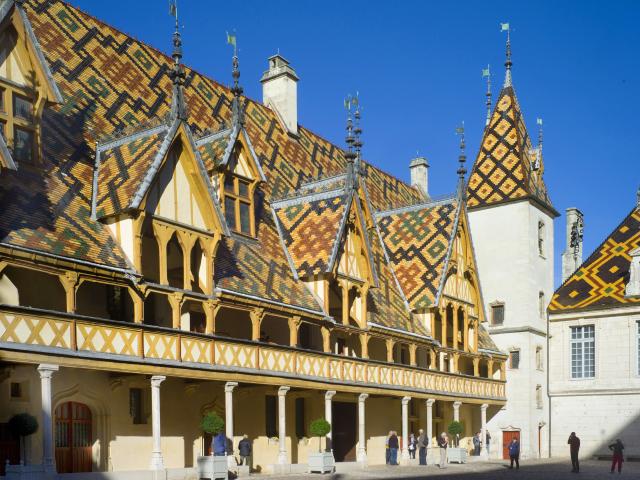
(601, 280)
(212, 148)
(417, 242)
(507, 167)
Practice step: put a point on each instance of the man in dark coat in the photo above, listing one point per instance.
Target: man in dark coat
(422, 447)
(514, 452)
(574, 447)
(219, 446)
(244, 447)
(394, 444)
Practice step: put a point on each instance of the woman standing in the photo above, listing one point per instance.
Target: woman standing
(443, 443)
(617, 449)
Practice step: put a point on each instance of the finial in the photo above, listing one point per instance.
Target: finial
(462, 158)
(486, 73)
(350, 155)
(539, 122)
(178, 107)
(638, 199)
(357, 130)
(236, 90)
(504, 27)
(538, 150)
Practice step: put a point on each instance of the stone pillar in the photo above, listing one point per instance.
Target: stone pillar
(48, 455)
(405, 428)
(69, 281)
(326, 339)
(256, 315)
(211, 308)
(283, 458)
(327, 416)
(483, 430)
(412, 354)
(456, 411)
(294, 328)
(430, 403)
(476, 366)
(390, 343)
(228, 418)
(361, 455)
(364, 345)
(175, 300)
(157, 462)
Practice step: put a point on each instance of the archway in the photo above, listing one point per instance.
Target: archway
(73, 437)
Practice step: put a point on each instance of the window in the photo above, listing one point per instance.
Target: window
(17, 115)
(136, 406)
(583, 352)
(514, 359)
(542, 305)
(541, 238)
(300, 425)
(497, 314)
(270, 416)
(538, 396)
(539, 359)
(16, 390)
(238, 203)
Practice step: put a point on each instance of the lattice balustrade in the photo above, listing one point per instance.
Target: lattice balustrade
(103, 339)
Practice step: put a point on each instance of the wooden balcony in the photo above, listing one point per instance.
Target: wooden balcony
(47, 332)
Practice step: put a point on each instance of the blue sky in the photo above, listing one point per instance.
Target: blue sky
(417, 66)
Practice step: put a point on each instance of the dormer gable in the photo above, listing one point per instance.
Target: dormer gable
(26, 87)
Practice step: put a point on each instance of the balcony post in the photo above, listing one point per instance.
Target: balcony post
(157, 462)
(361, 455)
(48, 455)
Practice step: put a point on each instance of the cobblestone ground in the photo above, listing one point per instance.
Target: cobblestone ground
(529, 470)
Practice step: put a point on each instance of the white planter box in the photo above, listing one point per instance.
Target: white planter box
(321, 462)
(457, 455)
(24, 472)
(212, 467)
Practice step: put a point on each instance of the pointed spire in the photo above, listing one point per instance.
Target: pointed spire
(505, 27)
(178, 107)
(486, 73)
(350, 155)
(638, 199)
(462, 158)
(236, 90)
(538, 151)
(357, 142)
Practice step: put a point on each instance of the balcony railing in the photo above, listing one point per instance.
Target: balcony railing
(134, 342)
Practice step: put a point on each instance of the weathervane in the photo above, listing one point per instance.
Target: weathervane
(486, 73)
(505, 27)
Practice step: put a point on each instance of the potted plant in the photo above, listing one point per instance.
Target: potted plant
(22, 425)
(456, 454)
(321, 462)
(212, 467)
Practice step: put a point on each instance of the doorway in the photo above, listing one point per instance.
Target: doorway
(507, 436)
(9, 448)
(345, 419)
(73, 438)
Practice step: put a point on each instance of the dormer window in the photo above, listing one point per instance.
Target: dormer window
(17, 121)
(237, 194)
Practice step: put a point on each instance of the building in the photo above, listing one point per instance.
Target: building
(594, 344)
(169, 247)
(511, 218)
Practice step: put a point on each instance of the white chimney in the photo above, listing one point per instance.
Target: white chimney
(572, 256)
(633, 286)
(419, 168)
(280, 91)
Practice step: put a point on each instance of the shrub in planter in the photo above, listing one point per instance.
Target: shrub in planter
(319, 428)
(22, 425)
(212, 423)
(455, 428)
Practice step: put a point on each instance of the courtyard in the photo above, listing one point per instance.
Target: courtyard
(550, 469)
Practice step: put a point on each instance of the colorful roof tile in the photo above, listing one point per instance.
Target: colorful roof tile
(417, 241)
(601, 280)
(506, 168)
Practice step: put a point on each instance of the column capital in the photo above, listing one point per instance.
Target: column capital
(484, 406)
(229, 386)
(329, 394)
(282, 391)
(406, 400)
(47, 370)
(457, 404)
(430, 402)
(156, 380)
(362, 397)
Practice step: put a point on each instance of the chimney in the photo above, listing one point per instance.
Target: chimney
(419, 168)
(633, 286)
(280, 91)
(572, 256)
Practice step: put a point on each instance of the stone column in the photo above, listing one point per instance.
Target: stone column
(283, 458)
(430, 403)
(405, 428)
(361, 454)
(157, 463)
(228, 418)
(48, 455)
(483, 430)
(456, 411)
(327, 416)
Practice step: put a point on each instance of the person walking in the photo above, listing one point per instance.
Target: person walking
(514, 453)
(244, 447)
(488, 440)
(422, 447)
(617, 449)
(219, 444)
(412, 446)
(574, 447)
(387, 452)
(443, 443)
(394, 444)
(476, 444)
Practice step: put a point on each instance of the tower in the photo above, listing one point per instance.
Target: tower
(511, 219)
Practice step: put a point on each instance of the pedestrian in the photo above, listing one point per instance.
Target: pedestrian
(617, 449)
(443, 443)
(412, 446)
(219, 444)
(387, 452)
(574, 447)
(394, 444)
(244, 447)
(514, 452)
(422, 447)
(488, 443)
(476, 444)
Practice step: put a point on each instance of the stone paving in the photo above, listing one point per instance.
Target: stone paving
(529, 470)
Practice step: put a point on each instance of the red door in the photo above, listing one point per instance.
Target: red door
(9, 448)
(507, 436)
(73, 438)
